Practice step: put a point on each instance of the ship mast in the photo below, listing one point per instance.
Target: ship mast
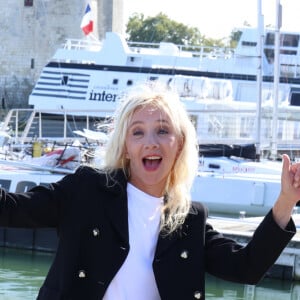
(276, 79)
(260, 40)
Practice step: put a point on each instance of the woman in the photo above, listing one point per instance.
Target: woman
(130, 231)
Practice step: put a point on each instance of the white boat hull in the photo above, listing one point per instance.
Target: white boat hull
(234, 193)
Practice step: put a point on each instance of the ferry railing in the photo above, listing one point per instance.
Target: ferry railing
(80, 44)
(192, 50)
(200, 51)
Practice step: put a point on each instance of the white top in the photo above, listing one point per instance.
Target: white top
(135, 279)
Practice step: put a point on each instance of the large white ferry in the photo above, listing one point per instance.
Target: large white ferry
(92, 75)
(218, 86)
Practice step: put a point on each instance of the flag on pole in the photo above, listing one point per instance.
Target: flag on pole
(87, 21)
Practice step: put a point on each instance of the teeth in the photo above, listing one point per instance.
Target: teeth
(153, 157)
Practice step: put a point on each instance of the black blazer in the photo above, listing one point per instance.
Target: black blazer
(89, 210)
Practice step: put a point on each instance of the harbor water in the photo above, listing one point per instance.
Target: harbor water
(22, 273)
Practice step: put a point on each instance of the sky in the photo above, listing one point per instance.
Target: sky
(217, 18)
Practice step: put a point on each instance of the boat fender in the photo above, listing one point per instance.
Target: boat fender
(37, 149)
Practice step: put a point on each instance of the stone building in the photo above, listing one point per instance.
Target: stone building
(32, 30)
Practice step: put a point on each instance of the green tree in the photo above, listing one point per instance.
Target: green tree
(210, 42)
(161, 29)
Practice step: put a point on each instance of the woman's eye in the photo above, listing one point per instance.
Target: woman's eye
(137, 132)
(163, 131)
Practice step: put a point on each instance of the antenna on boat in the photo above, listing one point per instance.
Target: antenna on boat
(260, 40)
(278, 22)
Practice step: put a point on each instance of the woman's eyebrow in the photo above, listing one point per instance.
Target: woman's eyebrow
(137, 122)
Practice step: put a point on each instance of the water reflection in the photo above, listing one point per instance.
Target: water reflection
(23, 272)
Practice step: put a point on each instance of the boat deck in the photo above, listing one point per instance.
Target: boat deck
(245, 226)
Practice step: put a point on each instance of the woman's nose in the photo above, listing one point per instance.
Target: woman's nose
(151, 141)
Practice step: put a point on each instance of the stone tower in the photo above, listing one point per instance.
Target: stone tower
(32, 30)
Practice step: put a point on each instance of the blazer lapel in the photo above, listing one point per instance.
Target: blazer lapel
(166, 241)
(117, 212)
(117, 208)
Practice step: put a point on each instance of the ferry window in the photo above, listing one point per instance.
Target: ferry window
(288, 52)
(270, 39)
(295, 97)
(269, 55)
(129, 82)
(289, 40)
(153, 78)
(252, 44)
(115, 81)
(28, 2)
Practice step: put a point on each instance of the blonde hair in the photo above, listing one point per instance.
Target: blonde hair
(180, 180)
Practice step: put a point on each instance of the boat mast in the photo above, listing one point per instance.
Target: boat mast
(260, 41)
(278, 20)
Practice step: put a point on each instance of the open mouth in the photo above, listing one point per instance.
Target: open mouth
(151, 163)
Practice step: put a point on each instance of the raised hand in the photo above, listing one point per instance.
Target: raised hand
(289, 193)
